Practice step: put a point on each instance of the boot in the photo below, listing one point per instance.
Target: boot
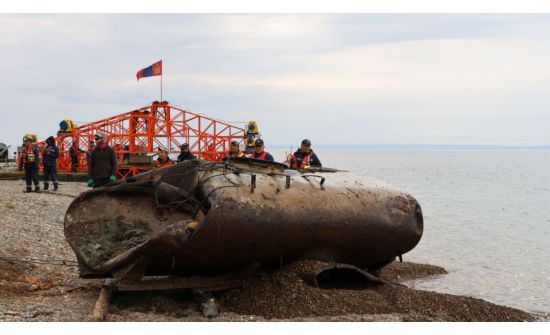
(46, 186)
(55, 186)
(29, 189)
(37, 189)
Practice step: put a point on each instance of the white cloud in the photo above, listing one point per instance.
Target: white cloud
(335, 78)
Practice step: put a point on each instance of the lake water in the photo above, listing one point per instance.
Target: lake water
(486, 218)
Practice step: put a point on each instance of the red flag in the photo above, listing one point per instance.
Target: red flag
(153, 70)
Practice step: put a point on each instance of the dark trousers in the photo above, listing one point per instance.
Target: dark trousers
(98, 182)
(74, 163)
(50, 172)
(31, 176)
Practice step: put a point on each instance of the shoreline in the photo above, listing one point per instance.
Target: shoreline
(32, 227)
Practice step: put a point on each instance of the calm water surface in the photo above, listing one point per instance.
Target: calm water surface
(486, 218)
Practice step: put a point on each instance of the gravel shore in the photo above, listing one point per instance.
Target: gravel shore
(32, 229)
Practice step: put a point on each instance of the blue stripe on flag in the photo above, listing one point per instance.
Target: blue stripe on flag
(148, 71)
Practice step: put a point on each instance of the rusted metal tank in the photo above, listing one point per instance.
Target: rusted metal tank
(200, 218)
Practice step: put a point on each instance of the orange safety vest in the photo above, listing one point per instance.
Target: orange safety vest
(28, 156)
(305, 161)
(160, 164)
(240, 154)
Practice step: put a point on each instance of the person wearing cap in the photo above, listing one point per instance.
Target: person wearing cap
(163, 159)
(103, 163)
(185, 153)
(234, 150)
(304, 157)
(49, 162)
(29, 160)
(259, 152)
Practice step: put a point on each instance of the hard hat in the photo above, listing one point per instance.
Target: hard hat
(306, 143)
(184, 146)
(163, 148)
(100, 135)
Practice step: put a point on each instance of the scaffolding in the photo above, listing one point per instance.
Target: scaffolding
(137, 134)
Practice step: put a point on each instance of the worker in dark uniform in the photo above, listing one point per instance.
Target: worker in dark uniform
(259, 152)
(49, 162)
(304, 157)
(185, 153)
(103, 163)
(29, 160)
(163, 159)
(235, 151)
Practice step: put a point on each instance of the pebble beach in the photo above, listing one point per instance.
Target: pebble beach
(40, 282)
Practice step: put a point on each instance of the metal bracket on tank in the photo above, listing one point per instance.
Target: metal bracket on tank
(316, 176)
(287, 178)
(252, 183)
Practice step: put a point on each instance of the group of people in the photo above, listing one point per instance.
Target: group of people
(303, 158)
(30, 159)
(102, 160)
(163, 159)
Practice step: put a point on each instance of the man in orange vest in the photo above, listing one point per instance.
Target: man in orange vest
(234, 150)
(259, 152)
(304, 157)
(29, 160)
(163, 159)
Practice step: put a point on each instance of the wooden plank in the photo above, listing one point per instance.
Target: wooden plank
(101, 307)
(175, 283)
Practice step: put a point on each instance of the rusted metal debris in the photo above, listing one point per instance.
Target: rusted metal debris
(203, 219)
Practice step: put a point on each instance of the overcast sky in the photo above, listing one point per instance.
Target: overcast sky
(336, 79)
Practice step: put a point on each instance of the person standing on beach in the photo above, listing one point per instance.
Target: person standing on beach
(89, 152)
(74, 150)
(185, 153)
(49, 162)
(259, 152)
(235, 151)
(29, 160)
(303, 158)
(103, 163)
(163, 159)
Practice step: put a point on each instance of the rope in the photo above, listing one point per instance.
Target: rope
(59, 262)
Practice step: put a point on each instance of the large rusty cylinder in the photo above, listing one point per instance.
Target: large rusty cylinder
(198, 218)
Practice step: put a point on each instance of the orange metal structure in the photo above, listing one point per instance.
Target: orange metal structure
(141, 131)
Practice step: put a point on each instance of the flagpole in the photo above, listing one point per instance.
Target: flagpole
(161, 87)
